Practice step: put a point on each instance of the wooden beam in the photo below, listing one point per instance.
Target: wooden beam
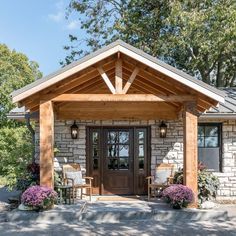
(130, 80)
(190, 120)
(46, 119)
(116, 113)
(121, 98)
(118, 77)
(106, 80)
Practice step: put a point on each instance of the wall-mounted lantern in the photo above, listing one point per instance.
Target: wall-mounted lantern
(74, 131)
(163, 130)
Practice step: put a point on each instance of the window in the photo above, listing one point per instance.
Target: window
(209, 145)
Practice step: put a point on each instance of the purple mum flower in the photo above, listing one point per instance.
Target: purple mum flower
(37, 196)
(178, 195)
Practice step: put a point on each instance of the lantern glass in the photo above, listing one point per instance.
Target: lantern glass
(163, 130)
(74, 131)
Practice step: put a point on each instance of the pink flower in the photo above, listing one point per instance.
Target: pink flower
(36, 196)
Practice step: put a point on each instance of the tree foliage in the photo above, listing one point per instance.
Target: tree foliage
(15, 139)
(15, 152)
(198, 36)
(15, 72)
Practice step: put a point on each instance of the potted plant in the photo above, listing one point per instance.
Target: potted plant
(178, 196)
(38, 198)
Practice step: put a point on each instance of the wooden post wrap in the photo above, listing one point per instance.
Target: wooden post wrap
(190, 120)
(46, 144)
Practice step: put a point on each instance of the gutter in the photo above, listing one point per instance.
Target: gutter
(32, 131)
(226, 116)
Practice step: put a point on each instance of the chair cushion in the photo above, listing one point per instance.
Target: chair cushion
(161, 176)
(76, 176)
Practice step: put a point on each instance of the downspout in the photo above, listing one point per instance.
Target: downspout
(32, 131)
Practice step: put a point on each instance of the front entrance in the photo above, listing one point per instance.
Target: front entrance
(118, 159)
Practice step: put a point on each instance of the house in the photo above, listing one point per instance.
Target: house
(106, 112)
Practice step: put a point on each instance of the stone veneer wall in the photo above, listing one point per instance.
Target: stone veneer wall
(228, 175)
(168, 150)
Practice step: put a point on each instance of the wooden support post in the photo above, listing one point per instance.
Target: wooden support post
(118, 77)
(190, 120)
(46, 144)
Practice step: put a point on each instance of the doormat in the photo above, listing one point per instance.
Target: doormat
(119, 198)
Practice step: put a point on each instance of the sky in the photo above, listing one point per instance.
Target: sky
(38, 28)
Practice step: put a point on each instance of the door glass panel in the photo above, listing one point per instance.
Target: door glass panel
(95, 150)
(95, 137)
(123, 137)
(140, 148)
(112, 164)
(141, 137)
(123, 150)
(112, 150)
(112, 137)
(141, 151)
(124, 163)
(118, 149)
(141, 162)
(95, 163)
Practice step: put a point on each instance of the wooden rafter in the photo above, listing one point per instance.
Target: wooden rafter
(130, 80)
(106, 79)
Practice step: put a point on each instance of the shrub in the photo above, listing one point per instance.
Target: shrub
(178, 195)
(39, 197)
(29, 178)
(15, 153)
(208, 183)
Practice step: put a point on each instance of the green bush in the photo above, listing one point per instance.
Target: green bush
(208, 183)
(15, 153)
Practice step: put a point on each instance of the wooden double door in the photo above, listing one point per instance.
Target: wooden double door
(118, 159)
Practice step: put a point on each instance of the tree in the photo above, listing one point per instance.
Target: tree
(198, 37)
(15, 139)
(16, 71)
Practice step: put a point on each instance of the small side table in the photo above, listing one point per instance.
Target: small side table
(65, 193)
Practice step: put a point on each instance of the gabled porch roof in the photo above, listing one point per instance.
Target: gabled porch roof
(152, 77)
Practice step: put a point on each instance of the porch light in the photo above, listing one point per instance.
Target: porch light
(163, 130)
(74, 131)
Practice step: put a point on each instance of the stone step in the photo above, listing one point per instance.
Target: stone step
(158, 215)
(116, 212)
